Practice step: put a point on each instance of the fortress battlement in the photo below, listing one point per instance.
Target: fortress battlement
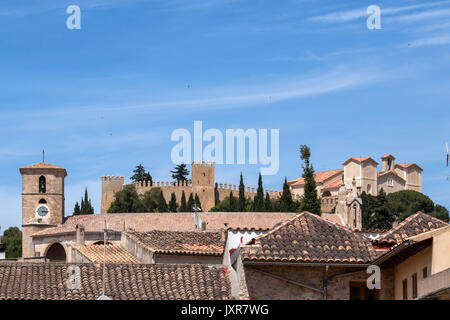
(202, 184)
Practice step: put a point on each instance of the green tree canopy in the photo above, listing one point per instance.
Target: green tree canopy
(183, 204)
(150, 200)
(13, 239)
(286, 202)
(173, 203)
(407, 202)
(127, 201)
(140, 175)
(162, 204)
(258, 201)
(233, 203)
(309, 201)
(190, 203)
(180, 173)
(241, 200)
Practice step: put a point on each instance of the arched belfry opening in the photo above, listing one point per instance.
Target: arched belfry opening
(56, 253)
(42, 184)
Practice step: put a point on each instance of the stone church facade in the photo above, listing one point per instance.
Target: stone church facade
(360, 174)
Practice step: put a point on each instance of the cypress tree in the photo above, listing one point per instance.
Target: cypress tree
(173, 203)
(162, 204)
(76, 210)
(310, 201)
(190, 203)
(258, 202)
(233, 203)
(241, 201)
(86, 206)
(268, 203)
(197, 202)
(286, 203)
(183, 205)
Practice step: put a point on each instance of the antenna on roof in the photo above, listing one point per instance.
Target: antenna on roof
(446, 146)
(43, 155)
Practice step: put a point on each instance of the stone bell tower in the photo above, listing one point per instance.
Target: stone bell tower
(349, 208)
(42, 201)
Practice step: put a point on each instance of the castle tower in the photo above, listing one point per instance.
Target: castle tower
(110, 185)
(42, 201)
(203, 183)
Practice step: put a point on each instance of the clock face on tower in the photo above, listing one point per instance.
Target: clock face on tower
(42, 211)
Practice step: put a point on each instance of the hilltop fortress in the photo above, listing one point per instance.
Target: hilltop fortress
(358, 174)
(202, 184)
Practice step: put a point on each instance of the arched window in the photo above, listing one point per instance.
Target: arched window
(42, 184)
(42, 201)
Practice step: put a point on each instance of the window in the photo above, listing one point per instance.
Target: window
(424, 273)
(390, 182)
(414, 285)
(42, 184)
(42, 201)
(369, 187)
(405, 289)
(359, 291)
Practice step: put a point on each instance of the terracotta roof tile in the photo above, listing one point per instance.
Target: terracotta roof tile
(196, 243)
(48, 281)
(359, 159)
(387, 155)
(309, 238)
(115, 253)
(43, 165)
(319, 177)
(144, 222)
(413, 225)
(407, 165)
(380, 174)
(332, 184)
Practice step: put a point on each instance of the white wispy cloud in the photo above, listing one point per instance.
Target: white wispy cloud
(426, 15)
(355, 14)
(430, 41)
(251, 95)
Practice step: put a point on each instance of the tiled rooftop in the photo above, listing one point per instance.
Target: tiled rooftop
(319, 177)
(196, 243)
(413, 225)
(48, 281)
(308, 238)
(144, 222)
(115, 253)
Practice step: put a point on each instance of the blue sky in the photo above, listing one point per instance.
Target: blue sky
(104, 98)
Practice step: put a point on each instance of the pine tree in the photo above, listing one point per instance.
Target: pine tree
(140, 175)
(183, 205)
(173, 203)
(268, 203)
(76, 210)
(197, 202)
(180, 173)
(190, 203)
(258, 201)
(241, 201)
(162, 204)
(286, 203)
(233, 203)
(310, 201)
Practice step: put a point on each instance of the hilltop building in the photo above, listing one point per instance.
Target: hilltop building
(360, 174)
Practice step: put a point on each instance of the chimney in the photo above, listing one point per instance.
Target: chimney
(223, 233)
(80, 235)
(203, 226)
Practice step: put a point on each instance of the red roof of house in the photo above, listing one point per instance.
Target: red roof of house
(359, 159)
(319, 177)
(42, 165)
(308, 238)
(387, 155)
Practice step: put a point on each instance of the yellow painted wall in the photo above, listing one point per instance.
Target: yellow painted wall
(441, 252)
(407, 268)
